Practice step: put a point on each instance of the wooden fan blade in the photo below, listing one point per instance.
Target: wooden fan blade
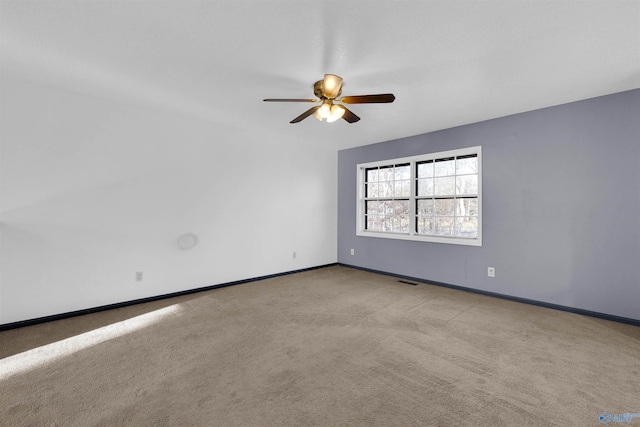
(304, 115)
(290, 100)
(349, 116)
(368, 99)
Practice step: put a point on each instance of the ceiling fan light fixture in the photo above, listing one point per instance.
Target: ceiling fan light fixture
(331, 86)
(325, 110)
(337, 111)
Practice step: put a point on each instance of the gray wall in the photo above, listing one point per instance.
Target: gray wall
(561, 206)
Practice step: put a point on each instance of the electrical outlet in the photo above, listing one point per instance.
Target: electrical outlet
(491, 272)
(138, 276)
(353, 252)
(294, 255)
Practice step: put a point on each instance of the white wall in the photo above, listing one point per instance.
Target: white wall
(93, 191)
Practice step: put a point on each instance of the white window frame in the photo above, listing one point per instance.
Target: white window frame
(412, 235)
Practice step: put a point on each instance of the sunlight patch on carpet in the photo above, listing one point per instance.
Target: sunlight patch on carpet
(43, 355)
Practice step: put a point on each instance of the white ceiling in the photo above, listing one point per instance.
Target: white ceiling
(448, 62)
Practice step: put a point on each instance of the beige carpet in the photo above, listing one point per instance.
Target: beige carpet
(329, 347)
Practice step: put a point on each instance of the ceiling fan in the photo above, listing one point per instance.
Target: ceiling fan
(328, 90)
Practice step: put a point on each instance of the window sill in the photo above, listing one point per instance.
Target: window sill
(418, 238)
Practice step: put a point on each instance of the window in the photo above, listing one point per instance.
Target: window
(432, 197)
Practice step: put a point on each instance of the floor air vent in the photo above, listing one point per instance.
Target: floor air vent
(408, 283)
